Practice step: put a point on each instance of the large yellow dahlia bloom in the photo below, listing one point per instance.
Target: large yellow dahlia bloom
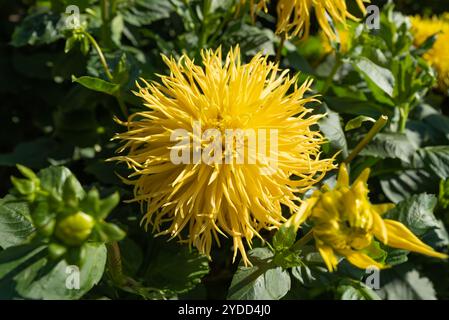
(345, 223)
(230, 198)
(438, 55)
(294, 16)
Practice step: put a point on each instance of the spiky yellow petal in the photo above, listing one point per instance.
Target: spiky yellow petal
(198, 201)
(328, 256)
(361, 260)
(402, 238)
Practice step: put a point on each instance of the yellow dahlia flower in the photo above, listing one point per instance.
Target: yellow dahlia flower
(345, 223)
(438, 55)
(235, 199)
(294, 16)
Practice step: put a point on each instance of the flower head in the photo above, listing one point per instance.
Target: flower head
(235, 199)
(437, 56)
(294, 16)
(345, 223)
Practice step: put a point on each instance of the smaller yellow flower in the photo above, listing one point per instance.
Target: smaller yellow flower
(438, 55)
(294, 16)
(345, 223)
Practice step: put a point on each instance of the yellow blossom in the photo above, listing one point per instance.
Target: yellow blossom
(345, 223)
(438, 55)
(294, 16)
(233, 199)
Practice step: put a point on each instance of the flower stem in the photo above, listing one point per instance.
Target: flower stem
(301, 242)
(100, 55)
(380, 123)
(404, 111)
(280, 47)
(115, 263)
(204, 32)
(106, 10)
(108, 73)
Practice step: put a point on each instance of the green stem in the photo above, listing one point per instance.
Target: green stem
(261, 269)
(301, 242)
(122, 105)
(115, 268)
(380, 123)
(404, 111)
(203, 33)
(330, 77)
(100, 55)
(108, 73)
(105, 7)
(280, 47)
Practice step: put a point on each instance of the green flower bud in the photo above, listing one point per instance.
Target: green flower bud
(73, 230)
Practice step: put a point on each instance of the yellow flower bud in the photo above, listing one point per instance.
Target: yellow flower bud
(73, 230)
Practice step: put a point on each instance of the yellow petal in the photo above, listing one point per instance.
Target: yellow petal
(302, 214)
(379, 229)
(361, 260)
(328, 256)
(402, 238)
(383, 208)
(363, 177)
(343, 176)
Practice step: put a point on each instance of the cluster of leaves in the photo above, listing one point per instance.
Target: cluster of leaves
(62, 81)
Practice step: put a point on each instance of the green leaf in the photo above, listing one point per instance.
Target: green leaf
(403, 284)
(390, 145)
(436, 159)
(16, 258)
(143, 12)
(45, 280)
(34, 154)
(262, 281)
(97, 84)
(132, 256)
(416, 213)
(284, 238)
(107, 205)
(375, 75)
(331, 127)
(357, 122)
(405, 183)
(37, 29)
(53, 180)
(109, 232)
(354, 290)
(175, 268)
(15, 225)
